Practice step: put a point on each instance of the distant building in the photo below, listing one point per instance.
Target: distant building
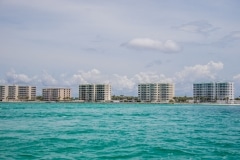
(87, 92)
(16, 93)
(156, 92)
(56, 94)
(213, 92)
(3, 95)
(95, 92)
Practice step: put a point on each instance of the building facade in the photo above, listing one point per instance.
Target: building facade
(3, 93)
(17, 93)
(56, 94)
(95, 92)
(213, 92)
(156, 92)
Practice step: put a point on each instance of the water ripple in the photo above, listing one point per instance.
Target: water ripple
(118, 131)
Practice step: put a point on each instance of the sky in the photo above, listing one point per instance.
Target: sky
(64, 43)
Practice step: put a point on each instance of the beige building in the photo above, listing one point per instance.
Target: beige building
(95, 92)
(156, 92)
(17, 93)
(56, 94)
(4, 93)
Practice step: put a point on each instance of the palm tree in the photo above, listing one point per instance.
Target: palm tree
(226, 99)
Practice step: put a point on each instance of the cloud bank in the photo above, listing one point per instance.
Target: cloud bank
(200, 72)
(122, 84)
(14, 78)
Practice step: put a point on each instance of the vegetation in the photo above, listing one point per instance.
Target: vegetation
(238, 98)
(123, 98)
(40, 98)
(171, 101)
(184, 99)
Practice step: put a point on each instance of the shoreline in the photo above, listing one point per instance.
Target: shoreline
(220, 104)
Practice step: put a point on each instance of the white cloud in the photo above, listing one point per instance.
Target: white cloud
(47, 79)
(233, 36)
(236, 78)
(18, 78)
(3, 81)
(76, 79)
(122, 82)
(84, 77)
(14, 78)
(90, 74)
(169, 46)
(229, 40)
(200, 72)
(236, 34)
(151, 77)
(125, 84)
(202, 27)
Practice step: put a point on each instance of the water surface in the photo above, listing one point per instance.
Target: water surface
(118, 131)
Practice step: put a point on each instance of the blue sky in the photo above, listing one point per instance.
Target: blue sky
(64, 43)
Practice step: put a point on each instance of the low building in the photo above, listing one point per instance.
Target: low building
(213, 92)
(17, 93)
(156, 92)
(56, 94)
(95, 92)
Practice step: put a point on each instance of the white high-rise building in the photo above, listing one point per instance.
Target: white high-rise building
(15, 93)
(156, 92)
(95, 92)
(213, 92)
(56, 94)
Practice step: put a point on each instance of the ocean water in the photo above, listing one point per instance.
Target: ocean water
(118, 131)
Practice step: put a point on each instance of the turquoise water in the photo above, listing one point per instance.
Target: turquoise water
(118, 131)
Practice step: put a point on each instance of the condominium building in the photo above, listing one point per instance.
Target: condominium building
(3, 93)
(95, 92)
(27, 92)
(15, 93)
(87, 92)
(156, 92)
(56, 94)
(213, 92)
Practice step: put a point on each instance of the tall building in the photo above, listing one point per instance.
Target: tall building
(15, 93)
(95, 92)
(87, 92)
(3, 93)
(213, 92)
(156, 92)
(24, 92)
(56, 94)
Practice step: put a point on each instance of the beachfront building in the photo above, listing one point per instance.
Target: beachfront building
(156, 92)
(17, 93)
(3, 93)
(26, 93)
(213, 92)
(56, 94)
(95, 92)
